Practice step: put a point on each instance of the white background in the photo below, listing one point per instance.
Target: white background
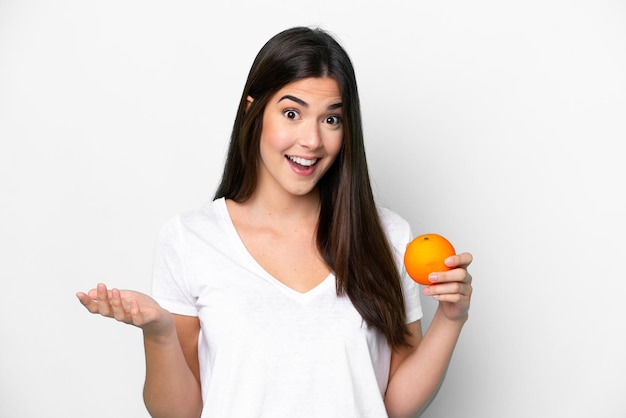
(498, 124)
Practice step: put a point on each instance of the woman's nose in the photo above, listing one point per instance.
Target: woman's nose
(311, 137)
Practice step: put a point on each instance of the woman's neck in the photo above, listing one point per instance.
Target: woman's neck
(283, 206)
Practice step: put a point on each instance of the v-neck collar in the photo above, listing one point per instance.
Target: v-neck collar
(303, 297)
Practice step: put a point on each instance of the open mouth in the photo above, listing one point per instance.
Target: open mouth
(302, 162)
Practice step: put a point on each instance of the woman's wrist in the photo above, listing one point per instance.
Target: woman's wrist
(440, 316)
(161, 331)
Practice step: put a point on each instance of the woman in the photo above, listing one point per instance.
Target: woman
(286, 294)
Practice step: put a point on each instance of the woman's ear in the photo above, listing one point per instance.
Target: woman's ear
(249, 101)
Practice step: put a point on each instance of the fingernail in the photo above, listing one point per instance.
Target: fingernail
(433, 277)
(448, 262)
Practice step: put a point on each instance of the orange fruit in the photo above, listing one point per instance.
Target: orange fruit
(425, 254)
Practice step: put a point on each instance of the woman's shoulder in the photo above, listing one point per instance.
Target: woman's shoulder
(396, 227)
(392, 222)
(205, 220)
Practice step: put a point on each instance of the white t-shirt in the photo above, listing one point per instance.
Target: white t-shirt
(265, 349)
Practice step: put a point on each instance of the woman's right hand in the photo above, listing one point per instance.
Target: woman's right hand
(130, 307)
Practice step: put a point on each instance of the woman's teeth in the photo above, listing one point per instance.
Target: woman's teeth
(301, 161)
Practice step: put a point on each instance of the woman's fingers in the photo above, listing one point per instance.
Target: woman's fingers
(118, 310)
(459, 260)
(453, 285)
(128, 306)
(102, 298)
(87, 302)
(106, 302)
(456, 289)
(450, 276)
(453, 291)
(453, 288)
(135, 313)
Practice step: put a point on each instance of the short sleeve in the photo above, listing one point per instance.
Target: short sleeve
(399, 234)
(410, 288)
(169, 285)
(411, 291)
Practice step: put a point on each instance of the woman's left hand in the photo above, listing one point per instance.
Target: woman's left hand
(453, 288)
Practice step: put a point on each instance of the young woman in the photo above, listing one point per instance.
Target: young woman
(286, 296)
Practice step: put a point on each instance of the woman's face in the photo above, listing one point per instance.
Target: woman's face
(302, 136)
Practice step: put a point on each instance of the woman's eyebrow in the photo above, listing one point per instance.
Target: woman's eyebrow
(294, 99)
(305, 104)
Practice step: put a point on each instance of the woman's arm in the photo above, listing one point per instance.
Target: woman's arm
(172, 387)
(417, 372)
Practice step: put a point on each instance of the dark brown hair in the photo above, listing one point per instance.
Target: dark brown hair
(350, 237)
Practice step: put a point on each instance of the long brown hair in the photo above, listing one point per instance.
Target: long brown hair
(350, 237)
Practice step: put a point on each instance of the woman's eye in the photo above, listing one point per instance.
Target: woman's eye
(333, 120)
(291, 114)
